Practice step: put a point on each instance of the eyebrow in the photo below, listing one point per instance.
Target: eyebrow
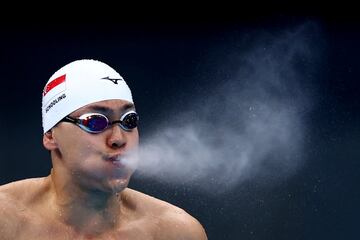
(102, 109)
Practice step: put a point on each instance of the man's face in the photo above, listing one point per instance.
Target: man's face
(97, 161)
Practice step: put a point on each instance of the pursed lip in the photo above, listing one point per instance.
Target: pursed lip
(116, 159)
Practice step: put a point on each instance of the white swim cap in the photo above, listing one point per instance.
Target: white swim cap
(77, 84)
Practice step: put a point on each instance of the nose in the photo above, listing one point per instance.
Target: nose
(116, 138)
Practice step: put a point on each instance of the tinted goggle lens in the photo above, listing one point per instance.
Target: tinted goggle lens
(93, 123)
(96, 122)
(129, 120)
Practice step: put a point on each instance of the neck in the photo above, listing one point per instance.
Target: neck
(86, 211)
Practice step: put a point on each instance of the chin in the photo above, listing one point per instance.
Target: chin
(118, 185)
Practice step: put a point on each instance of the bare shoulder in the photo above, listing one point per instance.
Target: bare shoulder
(15, 198)
(172, 221)
(178, 224)
(23, 190)
(18, 196)
(10, 217)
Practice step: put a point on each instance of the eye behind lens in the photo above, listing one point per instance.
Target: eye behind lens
(98, 123)
(130, 120)
(94, 123)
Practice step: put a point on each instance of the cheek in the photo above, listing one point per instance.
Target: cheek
(82, 157)
(133, 139)
(75, 146)
(72, 151)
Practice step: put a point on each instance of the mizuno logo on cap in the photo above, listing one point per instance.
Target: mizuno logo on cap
(114, 80)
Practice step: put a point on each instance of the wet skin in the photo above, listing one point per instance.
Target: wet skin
(86, 195)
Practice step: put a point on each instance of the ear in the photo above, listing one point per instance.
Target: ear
(49, 141)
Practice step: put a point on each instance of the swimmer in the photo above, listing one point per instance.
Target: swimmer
(90, 128)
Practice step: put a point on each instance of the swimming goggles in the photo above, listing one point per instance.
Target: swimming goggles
(97, 122)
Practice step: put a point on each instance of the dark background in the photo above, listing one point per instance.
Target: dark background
(162, 59)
